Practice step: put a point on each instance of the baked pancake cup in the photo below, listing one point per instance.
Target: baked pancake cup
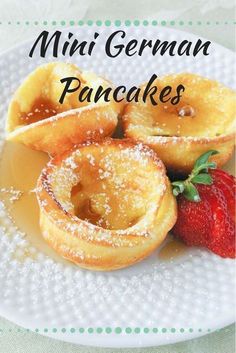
(38, 120)
(105, 205)
(202, 120)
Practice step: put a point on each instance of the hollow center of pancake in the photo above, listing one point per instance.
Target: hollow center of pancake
(41, 109)
(185, 119)
(105, 208)
(111, 193)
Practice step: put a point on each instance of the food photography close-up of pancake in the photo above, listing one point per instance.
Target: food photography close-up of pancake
(117, 181)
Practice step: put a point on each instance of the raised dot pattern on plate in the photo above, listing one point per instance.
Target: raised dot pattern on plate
(195, 290)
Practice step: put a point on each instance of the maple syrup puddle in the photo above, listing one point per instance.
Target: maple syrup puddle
(40, 110)
(20, 168)
(173, 249)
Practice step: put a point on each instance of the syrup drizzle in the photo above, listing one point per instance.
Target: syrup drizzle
(173, 249)
(20, 168)
(41, 109)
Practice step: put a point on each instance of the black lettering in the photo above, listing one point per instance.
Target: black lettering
(182, 50)
(85, 94)
(145, 43)
(130, 46)
(165, 92)
(135, 91)
(68, 81)
(149, 90)
(119, 47)
(164, 47)
(203, 47)
(43, 37)
(75, 46)
(117, 91)
(102, 92)
(66, 44)
(92, 44)
(175, 100)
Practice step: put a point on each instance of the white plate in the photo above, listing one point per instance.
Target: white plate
(194, 292)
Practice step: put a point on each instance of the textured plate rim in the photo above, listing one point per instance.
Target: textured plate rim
(121, 340)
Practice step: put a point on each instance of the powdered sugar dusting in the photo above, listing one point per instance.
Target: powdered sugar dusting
(57, 294)
(119, 197)
(14, 195)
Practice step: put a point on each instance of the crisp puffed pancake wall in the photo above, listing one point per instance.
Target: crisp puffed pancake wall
(202, 120)
(106, 205)
(38, 120)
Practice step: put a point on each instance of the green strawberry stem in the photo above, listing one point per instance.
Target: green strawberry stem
(199, 175)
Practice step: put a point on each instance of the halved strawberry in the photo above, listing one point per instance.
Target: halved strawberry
(206, 208)
(226, 183)
(194, 221)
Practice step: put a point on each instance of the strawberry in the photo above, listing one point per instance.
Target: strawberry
(225, 183)
(206, 208)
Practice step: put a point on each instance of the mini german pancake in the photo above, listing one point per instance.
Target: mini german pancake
(38, 120)
(105, 205)
(181, 130)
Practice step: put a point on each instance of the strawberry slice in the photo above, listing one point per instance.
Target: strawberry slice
(222, 236)
(206, 208)
(226, 183)
(194, 221)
